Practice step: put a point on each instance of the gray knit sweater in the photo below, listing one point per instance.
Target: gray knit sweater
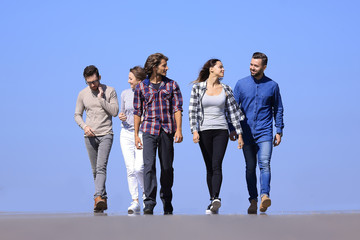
(99, 112)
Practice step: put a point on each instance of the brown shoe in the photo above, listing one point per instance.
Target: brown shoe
(265, 203)
(253, 207)
(100, 204)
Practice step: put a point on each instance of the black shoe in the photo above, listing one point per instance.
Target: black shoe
(168, 208)
(149, 210)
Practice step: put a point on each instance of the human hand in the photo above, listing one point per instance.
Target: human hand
(122, 117)
(89, 132)
(138, 143)
(178, 137)
(240, 142)
(196, 137)
(101, 91)
(232, 136)
(277, 140)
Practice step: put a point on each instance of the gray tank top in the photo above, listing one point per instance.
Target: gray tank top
(214, 112)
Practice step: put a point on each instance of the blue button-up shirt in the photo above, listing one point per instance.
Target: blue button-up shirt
(260, 101)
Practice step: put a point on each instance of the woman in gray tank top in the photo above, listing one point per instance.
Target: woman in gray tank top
(213, 111)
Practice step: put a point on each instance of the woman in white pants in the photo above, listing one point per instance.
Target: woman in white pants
(133, 157)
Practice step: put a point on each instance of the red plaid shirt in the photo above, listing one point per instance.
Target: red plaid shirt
(158, 106)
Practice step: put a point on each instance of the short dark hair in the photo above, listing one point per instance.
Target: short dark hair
(90, 70)
(153, 60)
(138, 72)
(262, 56)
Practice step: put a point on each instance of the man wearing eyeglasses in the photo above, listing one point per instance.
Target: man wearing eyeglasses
(100, 104)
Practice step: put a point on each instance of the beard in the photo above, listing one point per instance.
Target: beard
(256, 74)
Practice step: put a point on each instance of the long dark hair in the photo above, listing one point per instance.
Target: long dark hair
(205, 71)
(153, 60)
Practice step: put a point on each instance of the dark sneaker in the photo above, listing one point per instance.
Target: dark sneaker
(168, 208)
(253, 207)
(148, 210)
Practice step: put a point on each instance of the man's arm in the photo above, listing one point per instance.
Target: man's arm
(138, 110)
(79, 110)
(112, 107)
(178, 137)
(177, 102)
(138, 143)
(278, 116)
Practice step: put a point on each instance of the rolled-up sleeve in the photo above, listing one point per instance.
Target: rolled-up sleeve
(138, 102)
(177, 99)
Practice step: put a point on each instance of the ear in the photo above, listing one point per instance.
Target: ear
(99, 77)
(264, 67)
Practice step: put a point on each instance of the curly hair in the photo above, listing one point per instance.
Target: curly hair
(152, 61)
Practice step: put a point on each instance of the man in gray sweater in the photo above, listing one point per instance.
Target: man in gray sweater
(100, 104)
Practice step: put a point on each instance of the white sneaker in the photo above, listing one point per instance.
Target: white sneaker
(134, 208)
(208, 211)
(214, 206)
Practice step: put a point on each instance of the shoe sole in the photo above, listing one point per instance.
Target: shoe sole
(148, 212)
(100, 206)
(265, 204)
(252, 211)
(131, 211)
(215, 205)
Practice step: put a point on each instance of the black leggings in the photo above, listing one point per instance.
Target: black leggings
(213, 145)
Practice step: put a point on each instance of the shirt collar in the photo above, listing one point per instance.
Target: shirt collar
(164, 80)
(260, 80)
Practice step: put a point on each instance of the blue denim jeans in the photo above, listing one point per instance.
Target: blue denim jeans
(258, 153)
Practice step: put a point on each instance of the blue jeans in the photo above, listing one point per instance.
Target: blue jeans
(261, 153)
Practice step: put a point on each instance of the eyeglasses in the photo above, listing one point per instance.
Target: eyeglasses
(93, 82)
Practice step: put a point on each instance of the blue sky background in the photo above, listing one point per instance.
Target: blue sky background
(313, 50)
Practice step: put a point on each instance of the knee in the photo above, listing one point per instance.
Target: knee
(101, 169)
(217, 170)
(138, 170)
(264, 168)
(264, 165)
(250, 167)
(130, 171)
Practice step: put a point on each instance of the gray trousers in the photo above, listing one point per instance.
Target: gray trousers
(98, 149)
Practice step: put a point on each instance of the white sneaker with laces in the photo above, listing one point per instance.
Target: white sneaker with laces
(215, 205)
(134, 208)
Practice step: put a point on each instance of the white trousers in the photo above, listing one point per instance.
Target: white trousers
(133, 161)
